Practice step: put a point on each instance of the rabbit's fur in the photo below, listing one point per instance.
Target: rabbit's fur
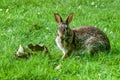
(86, 38)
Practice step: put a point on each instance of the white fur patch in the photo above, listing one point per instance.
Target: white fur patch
(58, 41)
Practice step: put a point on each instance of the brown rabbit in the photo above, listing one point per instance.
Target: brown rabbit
(85, 38)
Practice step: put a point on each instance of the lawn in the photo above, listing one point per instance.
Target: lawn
(32, 21)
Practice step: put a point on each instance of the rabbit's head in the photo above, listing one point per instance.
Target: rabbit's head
(63, 29)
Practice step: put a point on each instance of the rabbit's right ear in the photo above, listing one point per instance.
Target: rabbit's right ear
(69, 18)
(58, 18)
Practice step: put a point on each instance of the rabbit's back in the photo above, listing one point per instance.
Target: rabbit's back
(90, 37)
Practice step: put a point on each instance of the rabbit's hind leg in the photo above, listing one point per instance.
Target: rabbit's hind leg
(95, 45)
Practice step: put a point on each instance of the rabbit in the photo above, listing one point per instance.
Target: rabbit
(85, 38)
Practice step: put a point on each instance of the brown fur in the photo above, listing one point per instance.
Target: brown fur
(87, 38)
(90, 35)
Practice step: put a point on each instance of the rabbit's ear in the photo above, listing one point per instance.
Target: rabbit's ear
(58, 18)
(69, 18)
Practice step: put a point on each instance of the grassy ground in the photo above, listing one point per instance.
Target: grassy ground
(32, 21)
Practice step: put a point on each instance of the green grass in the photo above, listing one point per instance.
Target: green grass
(17, 26)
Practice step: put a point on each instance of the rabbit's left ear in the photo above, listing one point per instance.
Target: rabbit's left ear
(58, 18)
(69, 18)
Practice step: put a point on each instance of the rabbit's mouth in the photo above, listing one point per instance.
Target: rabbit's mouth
(60, 34)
